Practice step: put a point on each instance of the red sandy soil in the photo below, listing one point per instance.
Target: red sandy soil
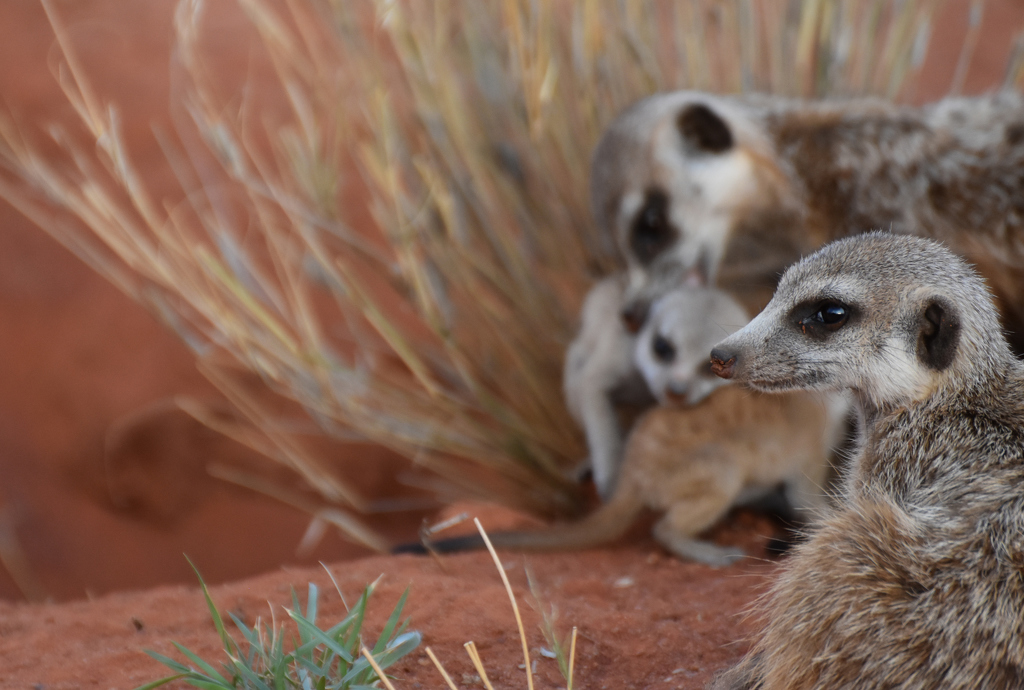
(644, 619)
(78, 357)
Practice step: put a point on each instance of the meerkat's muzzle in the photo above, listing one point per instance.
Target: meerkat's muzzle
(723, 363)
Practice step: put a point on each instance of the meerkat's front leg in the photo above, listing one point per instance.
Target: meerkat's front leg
(604, 439)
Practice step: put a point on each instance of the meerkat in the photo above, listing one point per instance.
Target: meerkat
(729, 191)
(599, 374)
(671, 348)
(695, 463)
(914, 580)
(606, 366)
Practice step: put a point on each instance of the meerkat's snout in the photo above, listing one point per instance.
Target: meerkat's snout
(723, 362)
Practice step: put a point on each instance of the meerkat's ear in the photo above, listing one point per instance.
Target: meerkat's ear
(703, 129)
(938, 333)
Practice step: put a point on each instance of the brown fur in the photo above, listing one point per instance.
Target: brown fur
(801, 174)
(695, 463)
(915, 580)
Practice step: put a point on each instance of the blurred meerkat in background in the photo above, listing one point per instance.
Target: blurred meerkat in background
(607, 367)
(729, 191)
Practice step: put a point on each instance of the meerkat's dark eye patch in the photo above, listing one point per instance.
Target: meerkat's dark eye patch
(702, 129)
(818, 319)
(652, 233)
(663, 349)
(938, 334)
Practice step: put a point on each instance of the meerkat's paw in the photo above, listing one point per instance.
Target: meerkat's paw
(701, 551)
(676, 530)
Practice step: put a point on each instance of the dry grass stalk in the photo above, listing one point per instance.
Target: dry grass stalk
(512, 599)
(474, 654)
(376, 667)
(440, 331)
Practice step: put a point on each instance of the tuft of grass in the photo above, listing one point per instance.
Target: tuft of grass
(464, 129)
(320, 659)
(335, 658)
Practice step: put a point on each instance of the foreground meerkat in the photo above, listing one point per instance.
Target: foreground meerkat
(694, 464)
(731, 190)
(915, 580)
(606, 366)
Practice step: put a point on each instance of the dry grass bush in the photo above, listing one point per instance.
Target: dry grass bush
(438, 331)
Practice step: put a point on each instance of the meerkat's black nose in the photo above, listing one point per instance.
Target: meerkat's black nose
(723, 363)
(634, 315)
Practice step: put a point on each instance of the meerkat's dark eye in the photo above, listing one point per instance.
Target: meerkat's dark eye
(825, 317)
(664, 350)
(651, 233)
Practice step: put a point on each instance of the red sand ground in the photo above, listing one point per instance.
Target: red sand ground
(77, 356)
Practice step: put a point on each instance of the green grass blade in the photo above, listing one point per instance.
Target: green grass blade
(389, 627)
(318, 635)
(169, 662)
(311, 602)
(250, 634)
(229, 645)
(397, 648)
(162, 681)
(198, 661)
(250, 676)
(208, 684)
(351, 639)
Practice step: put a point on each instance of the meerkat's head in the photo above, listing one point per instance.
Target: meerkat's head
(672, 348)
(672, 179)
(892, 317)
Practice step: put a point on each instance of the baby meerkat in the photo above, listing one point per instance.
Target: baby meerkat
(672, 348)
(731, 190)
(695, 463)
(914, 581)
(606, 366)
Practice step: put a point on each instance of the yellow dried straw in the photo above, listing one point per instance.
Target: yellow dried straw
(474, 656)
(511, 598)
(572, 659)
(440, 668)
(380, 673)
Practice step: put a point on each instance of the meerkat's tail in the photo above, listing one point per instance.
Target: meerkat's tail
(605, 524)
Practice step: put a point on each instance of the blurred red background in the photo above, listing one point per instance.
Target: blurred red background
(77, 356)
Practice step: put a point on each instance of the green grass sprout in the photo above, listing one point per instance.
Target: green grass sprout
(320, 659)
